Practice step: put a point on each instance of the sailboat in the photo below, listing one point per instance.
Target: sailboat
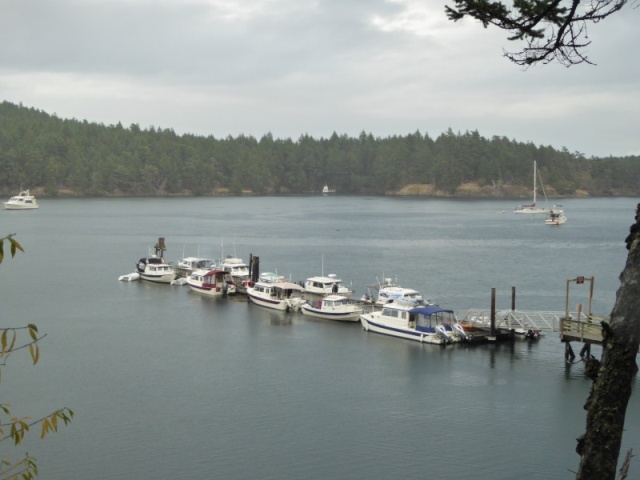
(532, 207)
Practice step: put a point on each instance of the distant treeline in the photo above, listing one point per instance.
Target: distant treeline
(60, 156)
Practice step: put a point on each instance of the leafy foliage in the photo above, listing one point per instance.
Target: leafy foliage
(15, 428)
(81, 158)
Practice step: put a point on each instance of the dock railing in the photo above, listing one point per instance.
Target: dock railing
(575, 327)
(587, 329)
(513, 319)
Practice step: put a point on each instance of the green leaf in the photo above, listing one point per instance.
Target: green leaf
(15, 246)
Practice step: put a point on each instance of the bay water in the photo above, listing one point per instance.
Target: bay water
(167, 384)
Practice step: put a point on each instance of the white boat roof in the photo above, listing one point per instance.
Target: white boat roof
(331, 278)
(399, 290)
(233, 261)
(281, 285)
(335, 298)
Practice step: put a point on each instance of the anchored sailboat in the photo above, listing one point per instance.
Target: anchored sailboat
(532, 207)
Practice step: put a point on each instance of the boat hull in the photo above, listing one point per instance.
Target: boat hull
(159, 278)
(14, 206)
(284, 305)
(207, 291)
(371, 324)
(352, 315)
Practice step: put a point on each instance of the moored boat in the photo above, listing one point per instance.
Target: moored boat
(188, 265)
(213, 283)
(556, 216)
(533, 208)
(406, 320)
(389, 291)
(155, 269)
(278, 295)
(239, 272)
(23, 201)
(333, 307)
(328, 285)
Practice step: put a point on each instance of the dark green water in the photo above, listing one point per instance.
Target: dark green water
(166, 384)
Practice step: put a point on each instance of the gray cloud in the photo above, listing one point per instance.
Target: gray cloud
(290, 68)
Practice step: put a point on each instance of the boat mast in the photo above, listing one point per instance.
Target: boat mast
(535, 172)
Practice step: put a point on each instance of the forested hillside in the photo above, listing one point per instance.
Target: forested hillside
(57, 156)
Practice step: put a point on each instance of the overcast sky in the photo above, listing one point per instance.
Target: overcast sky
(294, 67)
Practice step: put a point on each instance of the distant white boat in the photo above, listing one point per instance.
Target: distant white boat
(556, 216)
(23, 201)
(533, 208)
(326, 190)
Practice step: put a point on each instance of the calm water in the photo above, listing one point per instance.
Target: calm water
(166, 384)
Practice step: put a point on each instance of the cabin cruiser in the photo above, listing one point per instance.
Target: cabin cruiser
(155, 269)
(332, 307)
(556, 217)
(405, 319)
(213, 283)
(188, 265)
(278, 295)
(328, 285)
(23, 201)
(390, 291)
(239, 272)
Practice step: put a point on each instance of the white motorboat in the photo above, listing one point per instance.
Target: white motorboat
(333, 307)
(556, 216)
(188, 265)
(533, 208)
(326, 190)
(390, 291)
(23, 201)
(213, 283)
(279, 295)
(424, 324)
(155, 269)
(239, 272)
(328, 285)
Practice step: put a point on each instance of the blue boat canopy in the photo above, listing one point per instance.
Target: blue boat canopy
(429, 310)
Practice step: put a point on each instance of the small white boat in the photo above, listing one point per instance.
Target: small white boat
(279, 295)
(130, 277)
(326, 190)
(332, 307)
(556, 217)
(328, 285)
(532, 208)
(155, 269)
(23, 201)
(422, 324)
(239, 272)
(213, 283)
